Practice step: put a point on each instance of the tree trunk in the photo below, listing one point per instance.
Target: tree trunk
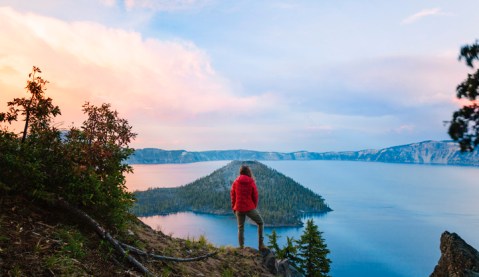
(120, 247)
(105, 235)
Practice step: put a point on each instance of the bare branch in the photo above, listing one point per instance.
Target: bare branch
(105, 235)
(166, 258)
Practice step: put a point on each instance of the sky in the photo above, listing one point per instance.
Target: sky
(264, 75)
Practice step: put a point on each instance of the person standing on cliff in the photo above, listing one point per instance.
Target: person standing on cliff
(244, 201)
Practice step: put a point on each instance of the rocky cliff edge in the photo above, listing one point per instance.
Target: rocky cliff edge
(458, 259)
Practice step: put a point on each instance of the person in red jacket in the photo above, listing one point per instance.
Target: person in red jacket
(244, 201)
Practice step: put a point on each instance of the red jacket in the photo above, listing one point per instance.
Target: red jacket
(244, 194)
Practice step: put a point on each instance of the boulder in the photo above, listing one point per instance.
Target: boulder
(279, 267)
(287, 270)
(269, 261)
(283, 267)
(458, 259)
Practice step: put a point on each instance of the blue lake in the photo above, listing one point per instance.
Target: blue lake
(387, 218)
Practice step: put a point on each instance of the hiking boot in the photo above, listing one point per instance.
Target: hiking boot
(261, 247)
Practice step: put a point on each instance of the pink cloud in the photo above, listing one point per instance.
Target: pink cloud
(464, 102)
(150, 82)
(408, 81)
(165, 5)
(108, 3)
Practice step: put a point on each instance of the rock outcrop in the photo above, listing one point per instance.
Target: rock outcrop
(458, 259)
(278, 267)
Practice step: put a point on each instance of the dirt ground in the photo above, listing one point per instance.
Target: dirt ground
(38, 240)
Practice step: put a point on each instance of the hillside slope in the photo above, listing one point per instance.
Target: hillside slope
(282, 200)
(38, 240)
(426, 152)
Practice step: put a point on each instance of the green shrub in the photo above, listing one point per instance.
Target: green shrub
(85, 165)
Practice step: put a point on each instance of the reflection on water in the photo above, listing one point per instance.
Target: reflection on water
(147, 176)
(387, 218)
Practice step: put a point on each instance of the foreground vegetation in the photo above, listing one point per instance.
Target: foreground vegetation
(308, 254)
(81, 165)
(282, 201)
(37, 239)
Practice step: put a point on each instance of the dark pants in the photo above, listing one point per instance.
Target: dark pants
(256, 217)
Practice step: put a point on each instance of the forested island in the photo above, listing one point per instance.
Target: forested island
(282, 201)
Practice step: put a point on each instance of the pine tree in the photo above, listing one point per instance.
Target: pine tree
(312, 252)
(273, 242)
(290, 252)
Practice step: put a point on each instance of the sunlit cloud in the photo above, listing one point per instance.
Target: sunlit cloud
(411, 81)
(461, 102)
(389, 85)
(108, 3)
(165, 5)
(421, 14)
(149, 81)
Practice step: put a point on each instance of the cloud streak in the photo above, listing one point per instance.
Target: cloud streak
(422, 14)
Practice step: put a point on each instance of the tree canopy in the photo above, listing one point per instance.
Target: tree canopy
(84, 166)
(313, 251)
(464, 126)
(308, 254)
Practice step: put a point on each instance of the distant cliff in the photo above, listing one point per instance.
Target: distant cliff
(427, 152)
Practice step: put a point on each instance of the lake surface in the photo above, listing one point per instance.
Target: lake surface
(387, 218)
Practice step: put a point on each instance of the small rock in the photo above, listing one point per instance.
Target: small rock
(283, 267)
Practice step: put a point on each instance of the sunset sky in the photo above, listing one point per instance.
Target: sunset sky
(262, 75)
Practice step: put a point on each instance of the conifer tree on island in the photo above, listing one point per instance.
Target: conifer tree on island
(312, 252)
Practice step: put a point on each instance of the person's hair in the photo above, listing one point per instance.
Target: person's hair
(245, 170)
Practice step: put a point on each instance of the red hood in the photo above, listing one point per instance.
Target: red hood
(244, 179)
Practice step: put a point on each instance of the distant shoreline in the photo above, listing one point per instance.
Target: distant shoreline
(426, 152)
